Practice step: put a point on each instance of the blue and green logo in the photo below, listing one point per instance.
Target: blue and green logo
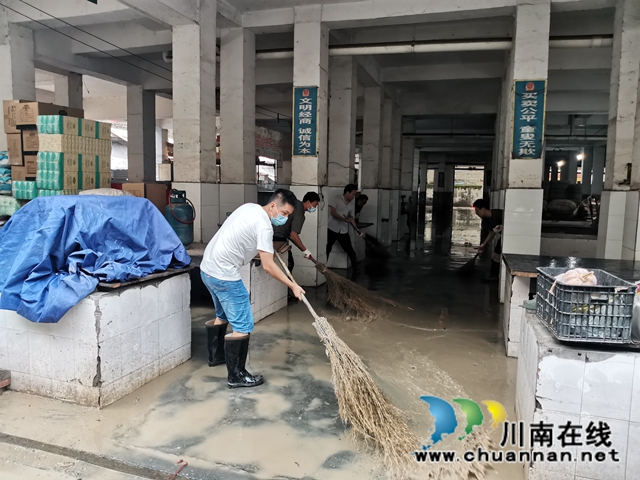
(446, 421)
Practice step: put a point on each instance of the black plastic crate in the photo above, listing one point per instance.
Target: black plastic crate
(600, 314)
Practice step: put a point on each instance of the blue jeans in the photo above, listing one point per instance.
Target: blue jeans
(232, 303)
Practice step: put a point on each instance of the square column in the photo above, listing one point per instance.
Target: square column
(18, 73)
(311, 69)
(617, 228)
(388, 117)
(237, 119)
(371, 138)
(141, 134)
(309, 173)
(396, 172)
(343, 96)
(587, 171)
(68, 90)
(194, 118)
(523, 177)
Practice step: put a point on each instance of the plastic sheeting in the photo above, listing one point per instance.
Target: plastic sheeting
(55, 250)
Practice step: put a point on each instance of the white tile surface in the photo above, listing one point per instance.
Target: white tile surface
(4, 354)
(112, 359)
(15, 321)
(84, 322)
(18, 351)
(607, 470)
(210, 194)
(231, 194)
(635, 403)
(560, 383)
(633, 453)
(556, 419)
(607, 386)
(3, 319)
(130, 308)
(62, 367)
(40, 354)
(149, 304)
(85, 362)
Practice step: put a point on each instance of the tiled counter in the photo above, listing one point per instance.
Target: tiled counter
(582, 383)
(515, 279)
(267, 294)
(105, 347)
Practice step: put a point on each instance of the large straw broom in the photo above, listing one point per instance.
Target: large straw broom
(373, 418)
(351, 298)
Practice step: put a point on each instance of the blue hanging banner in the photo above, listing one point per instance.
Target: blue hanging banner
(528, 118)
(305, 126)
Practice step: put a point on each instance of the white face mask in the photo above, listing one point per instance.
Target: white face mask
(312, 209)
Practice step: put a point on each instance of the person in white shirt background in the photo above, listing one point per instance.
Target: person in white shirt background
(342, 213)
(247, 232)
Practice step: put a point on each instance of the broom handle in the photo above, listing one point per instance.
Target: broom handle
(304, 299)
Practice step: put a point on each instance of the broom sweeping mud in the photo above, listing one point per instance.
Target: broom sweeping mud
(373, 418)
(351, 298)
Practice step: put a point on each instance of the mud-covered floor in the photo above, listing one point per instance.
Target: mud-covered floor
(288, 428)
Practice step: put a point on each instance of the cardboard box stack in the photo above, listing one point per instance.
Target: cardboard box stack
(56, 147)
(75, 154)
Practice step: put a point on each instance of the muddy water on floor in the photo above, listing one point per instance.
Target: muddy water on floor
(448, 346)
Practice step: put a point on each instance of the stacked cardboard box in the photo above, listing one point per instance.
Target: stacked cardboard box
(75, 154)
(23, 139)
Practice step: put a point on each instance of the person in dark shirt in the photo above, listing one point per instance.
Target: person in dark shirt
(291, 230)
(361, 201)
(491, 222)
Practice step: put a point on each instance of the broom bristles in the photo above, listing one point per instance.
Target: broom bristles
(362, 405)
(349, 297)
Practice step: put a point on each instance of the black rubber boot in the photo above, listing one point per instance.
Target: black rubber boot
(215, 343)
(236, 352)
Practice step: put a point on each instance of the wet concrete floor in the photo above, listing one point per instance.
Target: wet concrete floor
(449, 346)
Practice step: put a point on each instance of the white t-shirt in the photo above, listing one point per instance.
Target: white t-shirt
(246, 231)
(346, 210)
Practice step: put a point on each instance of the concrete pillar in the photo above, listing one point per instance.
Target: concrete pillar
(370, 173)
(311, 69)
(422, 201)
(194, 119)
(18, 73)
(343, 96)
(408, 159)
(599, 158)
(523, 178)
(396, 172)
(284, 172)
(406, 183)
(141, 134)
(371, 138)
(68, 90)
(618, 224)
(587, 170)
(388, 123)
(237, 119)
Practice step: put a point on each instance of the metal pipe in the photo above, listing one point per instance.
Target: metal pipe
(467, 46)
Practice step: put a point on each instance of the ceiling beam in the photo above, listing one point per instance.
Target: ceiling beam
(170, 13)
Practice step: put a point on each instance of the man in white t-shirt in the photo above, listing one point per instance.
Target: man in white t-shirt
(341, 215)
(247, 232)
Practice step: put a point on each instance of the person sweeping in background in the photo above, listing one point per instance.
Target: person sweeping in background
(342, 213)
(492, 223)
(247, 232)
(293, 227)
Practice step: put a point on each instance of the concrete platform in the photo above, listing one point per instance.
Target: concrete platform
(582, 383)
(105, 347)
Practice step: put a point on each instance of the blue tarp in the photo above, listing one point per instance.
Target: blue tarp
(55, 250)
